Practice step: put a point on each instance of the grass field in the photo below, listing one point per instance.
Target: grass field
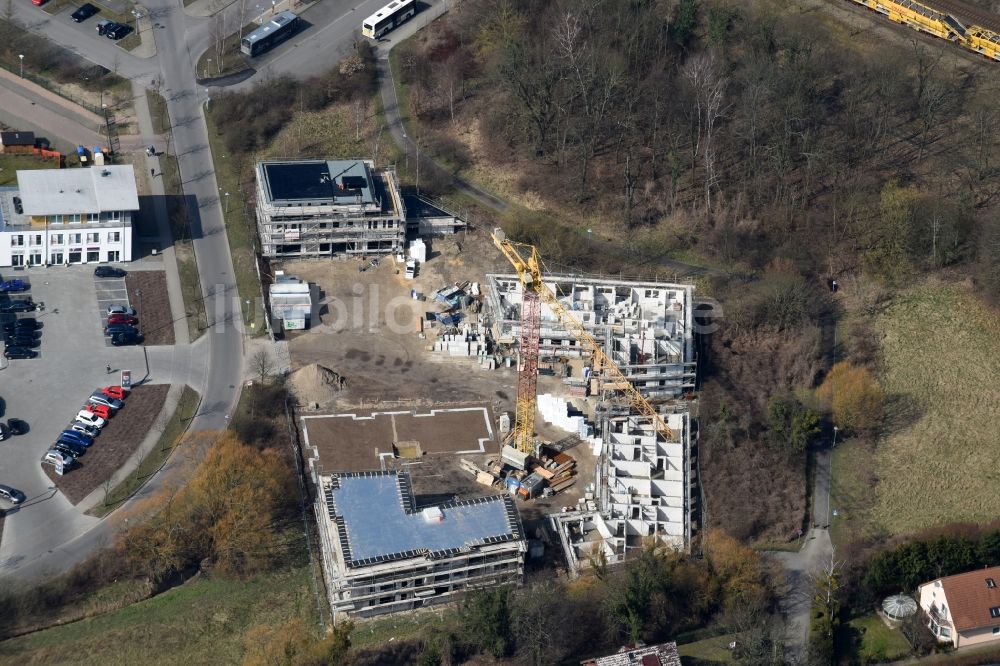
(10, 164)
(201, 622)
(709, 650)
(940, 362)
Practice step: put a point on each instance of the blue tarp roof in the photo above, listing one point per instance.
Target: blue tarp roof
(377, 521)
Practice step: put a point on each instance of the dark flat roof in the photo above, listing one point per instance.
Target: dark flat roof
(318, 182)
(17, 138)
(377, 521)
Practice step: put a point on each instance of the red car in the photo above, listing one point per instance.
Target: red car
(121, 318)
(38, 3)
(116, 392)
(100, 410)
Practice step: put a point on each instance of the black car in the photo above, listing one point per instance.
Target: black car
(19, 305)
(17, 427)
(109, 271)
(84, 13)
(74, 450)
(21, 341)
(4, 432)
(21, 332)
(115, 329)
(104, 25)
(26, 324)
(126, 339)
(19, 352)
(116, 33)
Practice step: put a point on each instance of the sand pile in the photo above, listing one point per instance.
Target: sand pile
(316, 384)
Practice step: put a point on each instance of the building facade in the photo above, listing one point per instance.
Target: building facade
(381, 554)
(964, 609)
(325, 208)
(646, 328)
(68, 216)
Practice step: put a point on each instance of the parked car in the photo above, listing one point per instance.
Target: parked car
(19, 352)
(12, 495)
(77, 436)
(69, 448)
(89, 418)
(9, 286)
(52, 457)
(19, 305)
(99, 398)
(4, 432)
(109, 271)
(100, 410)
(17, 427)
(116, 392)
(120, 309)
(126, 339)
(83, 428)
(103, 25)
(84, 13)
(25, 323)
(38, 3)
(23, 331)
(114, 329)
(118, 31)
(122, 318)
(28, 341)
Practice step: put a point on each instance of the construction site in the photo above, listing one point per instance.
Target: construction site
(435, 387)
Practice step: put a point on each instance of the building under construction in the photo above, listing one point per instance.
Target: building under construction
(646, 328)
(381, 554)
(644, 490)
(315, 208)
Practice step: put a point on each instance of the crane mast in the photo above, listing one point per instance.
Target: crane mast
(527, 264)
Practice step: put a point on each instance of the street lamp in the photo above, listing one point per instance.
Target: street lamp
(249, 313)
(227, 203)
(273, 3)
(138, 294)
(21, 56)
(835, 429)
(208, 67)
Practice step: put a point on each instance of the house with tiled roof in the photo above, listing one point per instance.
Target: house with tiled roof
(664, 654)
(964, 609)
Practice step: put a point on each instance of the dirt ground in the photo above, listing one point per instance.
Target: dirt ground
(155, 320)
(367, 329)
(117, 441)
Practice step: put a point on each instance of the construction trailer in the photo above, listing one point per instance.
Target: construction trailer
(291, 301)
(646, 328)
(383, 554)
(326, 208)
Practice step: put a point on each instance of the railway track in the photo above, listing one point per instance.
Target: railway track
(966, 13)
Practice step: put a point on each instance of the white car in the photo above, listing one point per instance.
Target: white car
(121, 309)
(53, 457)
(89, 418)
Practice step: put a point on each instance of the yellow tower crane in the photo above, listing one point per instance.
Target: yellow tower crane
(527, 264)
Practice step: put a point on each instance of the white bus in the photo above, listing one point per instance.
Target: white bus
(392, 15)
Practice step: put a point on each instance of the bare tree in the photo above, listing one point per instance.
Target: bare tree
(709, 88)
(262, 364)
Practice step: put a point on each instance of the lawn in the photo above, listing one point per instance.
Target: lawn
(158, 112)
(940, 362)
(714, 649)
(10, 164)
(202, 622)
(187, 406)
(879, 643)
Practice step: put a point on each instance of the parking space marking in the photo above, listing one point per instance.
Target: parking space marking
(110, 291)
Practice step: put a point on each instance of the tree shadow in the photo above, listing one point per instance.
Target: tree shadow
(901, 411)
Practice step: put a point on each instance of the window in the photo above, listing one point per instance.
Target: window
(114, 236)
(990, 583)
(17, 240)
(93, 217)
(93, 255)
(74, 218)
(114, 215)
(995, 611)
(113, 255)
(945, 632)
(17, 260)
(38, 239)
(57, 258)
(996, 630)
(56, 239)
(56, 219)
(94, 238)
(76, 238)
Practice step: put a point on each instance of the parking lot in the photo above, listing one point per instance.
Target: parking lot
(110, 291)
(48, 391)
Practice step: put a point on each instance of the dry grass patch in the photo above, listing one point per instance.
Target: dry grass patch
(941, 359)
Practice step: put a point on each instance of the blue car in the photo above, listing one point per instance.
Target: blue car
(8, 286)
(76, 436)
